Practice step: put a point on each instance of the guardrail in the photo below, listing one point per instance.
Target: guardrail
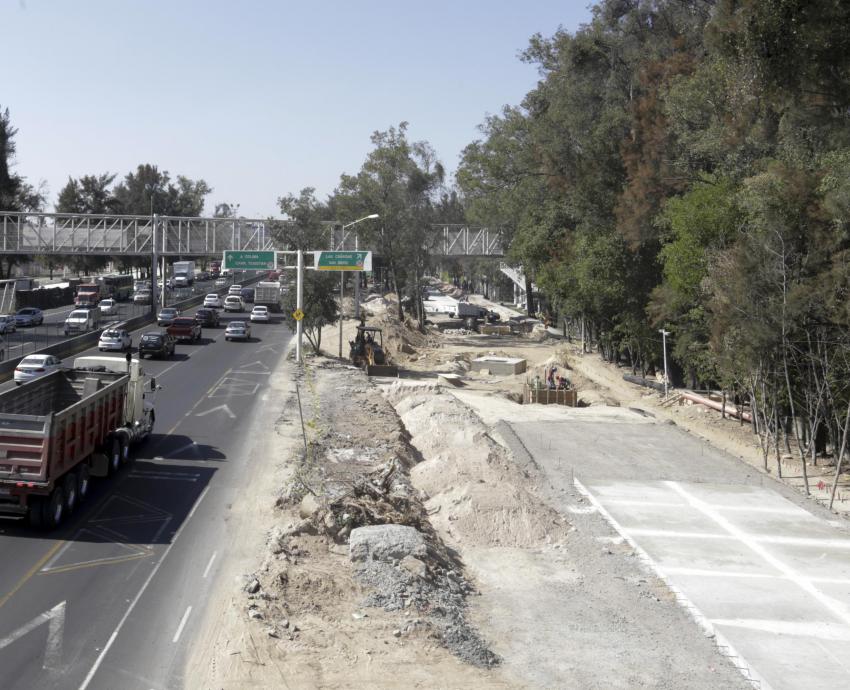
(72, 346)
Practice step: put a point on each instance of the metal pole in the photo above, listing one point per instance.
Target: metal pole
(357, 277)
(341, 289)
(162, 300)
(155, 261)
(664, 335)
(299, 303)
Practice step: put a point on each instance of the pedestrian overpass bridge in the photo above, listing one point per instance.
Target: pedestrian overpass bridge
(110, 235)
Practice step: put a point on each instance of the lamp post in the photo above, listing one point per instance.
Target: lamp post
(664, 335)
(342, 275)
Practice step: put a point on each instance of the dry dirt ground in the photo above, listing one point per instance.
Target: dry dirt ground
(519, 588)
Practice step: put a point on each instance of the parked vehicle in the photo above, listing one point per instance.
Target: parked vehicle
(464, 310)
(260, 314)
(24, 283)
(29, 316)
(108, 307)
(233, 303)
(166, 316)
(83, 420)
(238, 330)
(247, 295)
(35, 366)
(213, 301)
(184, 328)
(115, 339)
(184, 273)
(143, 297)
(8, 324)
(82, 321)
(207, 318)
(267, 294)
(156, 344)
(235, 290)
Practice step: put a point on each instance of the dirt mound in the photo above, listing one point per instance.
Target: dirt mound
(476, 493)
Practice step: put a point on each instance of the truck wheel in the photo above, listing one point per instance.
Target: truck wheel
(125, 453)
(72, 496)
(115, 456)
(53, 509)
(83, 482)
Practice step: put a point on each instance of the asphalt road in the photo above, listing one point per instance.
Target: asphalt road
(26, 340)
(111, 599)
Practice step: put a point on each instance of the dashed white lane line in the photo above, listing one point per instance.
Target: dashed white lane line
(209, 565)
(93, 670)
(182, 625)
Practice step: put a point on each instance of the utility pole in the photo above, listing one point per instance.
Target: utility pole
(664, 335)
(299, 303)
(155, 261)
(342, 274)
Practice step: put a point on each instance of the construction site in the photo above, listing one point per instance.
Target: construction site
(483, 504)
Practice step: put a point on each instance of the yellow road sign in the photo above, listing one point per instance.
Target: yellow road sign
(298, 315)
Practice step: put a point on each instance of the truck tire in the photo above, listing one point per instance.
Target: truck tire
(36, 514)
(53, 509)
(115, 456)
(83, 482)
(71, 490)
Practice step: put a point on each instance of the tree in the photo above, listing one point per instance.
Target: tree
(151, 190)
(320, 307)
(89, 194)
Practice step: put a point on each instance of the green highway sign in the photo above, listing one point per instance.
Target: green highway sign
(343, 261)
(250, 261)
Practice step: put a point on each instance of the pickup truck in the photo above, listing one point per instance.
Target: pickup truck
(82, 321)
(184, 328)
(63, 428)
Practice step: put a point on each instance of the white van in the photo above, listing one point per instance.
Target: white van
(233, 303)
(82, 321)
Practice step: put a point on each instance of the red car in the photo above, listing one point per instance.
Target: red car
(184, 328)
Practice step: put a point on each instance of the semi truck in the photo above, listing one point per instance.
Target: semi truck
(90, 294)
(267, 294)
(183, 273)
(66, 427)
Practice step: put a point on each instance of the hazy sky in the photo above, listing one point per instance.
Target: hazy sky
(258, 98)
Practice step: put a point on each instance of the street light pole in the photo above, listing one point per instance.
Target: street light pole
(664, 335)
(342, 275)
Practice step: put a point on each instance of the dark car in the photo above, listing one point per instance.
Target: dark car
(207, 317)
(156, 344)
(247, 295)
(29, 316)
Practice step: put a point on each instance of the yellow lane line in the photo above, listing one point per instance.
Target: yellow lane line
(32, 571)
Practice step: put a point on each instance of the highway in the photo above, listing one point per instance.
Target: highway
(112, 598)
(26, 340)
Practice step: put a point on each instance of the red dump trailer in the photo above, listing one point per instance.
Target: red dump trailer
(59, 430)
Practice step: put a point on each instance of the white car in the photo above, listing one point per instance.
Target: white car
(108, 307)
(238, 330)
(260, 314)
(34, 366)
(233, 303)
(235, 290)
(8, 324)
(220, 282)
(213, 301)
(115, 339)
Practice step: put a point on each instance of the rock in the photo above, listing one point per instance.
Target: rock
(414, 566)
(253, 586)
(284, 623)
(309, 505)
(255, 614)
(385, 542)
(272, 632)
(396, 633)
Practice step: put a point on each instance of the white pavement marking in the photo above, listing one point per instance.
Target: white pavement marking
(209, 565)
(823, 630)
(583, 510)
(223, 408)
(55, 618)
(182, 625)
(830, 604)
(93, 670)
(163, 475)
(720, 640)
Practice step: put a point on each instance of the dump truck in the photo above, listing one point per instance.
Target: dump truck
(90, 294)
(267, 294)
(65, 427)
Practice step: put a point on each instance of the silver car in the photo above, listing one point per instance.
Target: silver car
(238, 330)
(34, 366)
(115, 339)
(7, 324)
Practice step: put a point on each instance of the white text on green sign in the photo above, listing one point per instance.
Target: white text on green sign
(343, 261)
(257, 261)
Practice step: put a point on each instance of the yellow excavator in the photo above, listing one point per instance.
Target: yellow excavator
(367, 351)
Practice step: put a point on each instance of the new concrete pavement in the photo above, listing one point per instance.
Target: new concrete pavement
(111, 599)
